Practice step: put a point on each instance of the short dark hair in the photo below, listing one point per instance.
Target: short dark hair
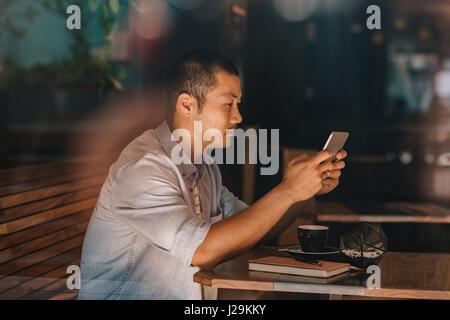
(194, 73)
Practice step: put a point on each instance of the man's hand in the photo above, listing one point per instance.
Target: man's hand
(331, 177)
(303, 178)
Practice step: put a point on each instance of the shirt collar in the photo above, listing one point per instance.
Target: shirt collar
(168, 142)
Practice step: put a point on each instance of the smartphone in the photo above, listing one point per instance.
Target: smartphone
(335, 143)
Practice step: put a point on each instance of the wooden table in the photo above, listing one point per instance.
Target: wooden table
(403, 275)
(389, 212)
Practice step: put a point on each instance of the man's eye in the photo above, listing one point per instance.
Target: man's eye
(230, 104)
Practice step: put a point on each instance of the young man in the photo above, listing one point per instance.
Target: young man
(157, 222)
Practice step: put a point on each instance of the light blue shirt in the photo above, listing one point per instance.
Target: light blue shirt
(149, 219)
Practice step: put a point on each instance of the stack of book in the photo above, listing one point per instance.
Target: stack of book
(287, 265)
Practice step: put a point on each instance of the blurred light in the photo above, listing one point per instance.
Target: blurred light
(295, 10)
(418, 61)
(443, 84)
(405, 157)
(400, 24)
(356, 28)
(238, 10)
(443, 160)
(377, 38)
(188, 4)
(150, 19)
(424, 34)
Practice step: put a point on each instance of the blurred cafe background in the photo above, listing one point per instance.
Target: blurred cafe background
(307, 67)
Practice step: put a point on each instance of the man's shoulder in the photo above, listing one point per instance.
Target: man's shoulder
(144, 154)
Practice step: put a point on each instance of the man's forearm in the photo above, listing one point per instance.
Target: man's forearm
(243, 230)
(285, 222)
(282, 225)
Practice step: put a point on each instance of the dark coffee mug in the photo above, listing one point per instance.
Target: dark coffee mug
(312, 238)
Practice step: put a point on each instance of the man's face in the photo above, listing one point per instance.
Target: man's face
(220, 110)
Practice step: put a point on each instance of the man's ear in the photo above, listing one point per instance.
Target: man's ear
(185, 104)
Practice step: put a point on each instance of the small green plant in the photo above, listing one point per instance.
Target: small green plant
(82, 70)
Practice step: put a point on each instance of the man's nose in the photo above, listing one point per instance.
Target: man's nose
(236, 117)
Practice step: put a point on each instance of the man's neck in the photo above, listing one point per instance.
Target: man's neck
(174, 125)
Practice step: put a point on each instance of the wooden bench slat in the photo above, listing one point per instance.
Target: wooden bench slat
(35, 173)
(19, 237)
(18, 264)
(46, 204)
(48, 215)
(65, 295)
(44, 169)
(42, 242)
(54, 288)
(48, 181)
(31, 284)
(8, 173)
(43, 193)
(40, 268)
(31, 173)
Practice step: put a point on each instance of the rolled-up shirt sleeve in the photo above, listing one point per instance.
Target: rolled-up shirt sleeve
(147, 197)
(230, 203)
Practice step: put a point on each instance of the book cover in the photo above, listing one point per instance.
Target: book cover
(287, 265)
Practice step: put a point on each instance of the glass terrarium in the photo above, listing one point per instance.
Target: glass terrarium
(364, 245)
